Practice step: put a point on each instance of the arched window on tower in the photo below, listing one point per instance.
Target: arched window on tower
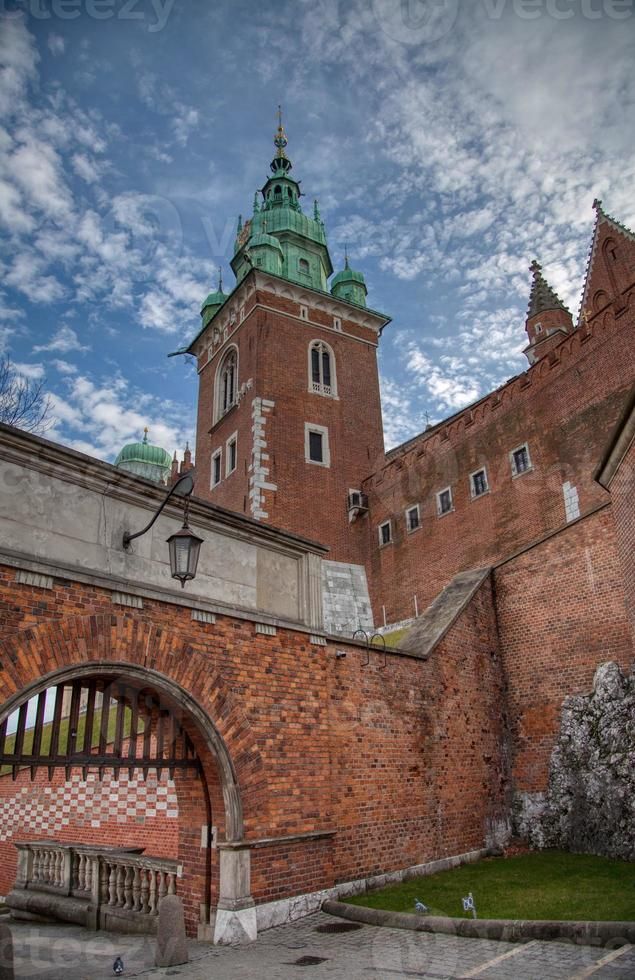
(304, 267)
(227, 383)
(322, 378)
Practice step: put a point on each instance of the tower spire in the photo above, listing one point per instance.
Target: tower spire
(542, 296)
(548, 319)
(281, 162)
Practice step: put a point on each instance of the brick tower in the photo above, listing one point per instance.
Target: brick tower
(289, 415)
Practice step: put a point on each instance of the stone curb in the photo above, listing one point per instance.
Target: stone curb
(507, 930)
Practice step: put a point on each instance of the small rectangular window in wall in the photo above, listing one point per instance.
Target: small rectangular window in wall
(231, 456)
(444, 502)
(412, 518)
(478, 483)
(216, 468)
(520, 460)
(304, 313)
(316, 444)
(337, 323)
(385, 533)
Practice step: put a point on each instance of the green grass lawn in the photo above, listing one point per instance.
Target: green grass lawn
(542, 885)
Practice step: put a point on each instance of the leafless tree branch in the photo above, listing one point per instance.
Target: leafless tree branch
(23, 401)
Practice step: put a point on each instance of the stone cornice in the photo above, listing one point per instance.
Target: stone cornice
(305, 295)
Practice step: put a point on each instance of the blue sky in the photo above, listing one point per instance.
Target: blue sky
(447, 142)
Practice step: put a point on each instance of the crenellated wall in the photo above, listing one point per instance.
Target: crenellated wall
(563, 408)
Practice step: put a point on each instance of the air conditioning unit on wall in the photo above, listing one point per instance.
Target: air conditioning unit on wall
(357, 504)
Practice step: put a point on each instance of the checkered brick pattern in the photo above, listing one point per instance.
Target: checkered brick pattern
(43, 809)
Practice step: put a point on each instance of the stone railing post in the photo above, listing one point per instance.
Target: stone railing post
(25, 866)
(67, 870)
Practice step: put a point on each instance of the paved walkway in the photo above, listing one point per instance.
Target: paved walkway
(310, 949)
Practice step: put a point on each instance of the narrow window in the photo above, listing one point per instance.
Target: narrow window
(385, 533)
(304, 313)
(444, 501)
(232, 444)
(337, 323)
(216, 467)
(412, 518)
(520, 460)
(321, 369)
(304, 266)
(316, 444)
(227, 383)
(538, 328)
(316, 450)
(478, 483)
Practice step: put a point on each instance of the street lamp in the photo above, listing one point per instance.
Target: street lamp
(184, 545)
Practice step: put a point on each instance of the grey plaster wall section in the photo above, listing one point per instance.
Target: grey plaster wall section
(430, 628)
(589, 805)
(346, 602)
(63, 509)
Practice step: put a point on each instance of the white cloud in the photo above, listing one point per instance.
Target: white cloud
(56, 44)
(34, 372)
(64, 367)
(18, 63)
(109, 415)
(64, 340)
(86, 168)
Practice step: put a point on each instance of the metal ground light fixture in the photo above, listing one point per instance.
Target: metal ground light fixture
(184, 545)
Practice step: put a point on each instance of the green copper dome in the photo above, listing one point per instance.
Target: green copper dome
(349, 285)
(145, 460)
(214, 301)
(301, 254)
(348, 275)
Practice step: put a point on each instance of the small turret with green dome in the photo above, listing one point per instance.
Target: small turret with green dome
(142, 459)
(214, 301)
(278, 237)
(349, 284)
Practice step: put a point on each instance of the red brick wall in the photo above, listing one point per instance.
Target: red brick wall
(564, 408)
(623, 500)
(561, 613)
(317, 743)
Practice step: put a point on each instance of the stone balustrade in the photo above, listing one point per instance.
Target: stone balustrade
(114, 888)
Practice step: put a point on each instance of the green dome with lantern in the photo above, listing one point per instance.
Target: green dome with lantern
(142, 459)
(213, 301)
(300, 253)
(349, 285)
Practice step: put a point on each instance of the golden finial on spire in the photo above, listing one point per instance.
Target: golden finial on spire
(280, 139)
(145, 435)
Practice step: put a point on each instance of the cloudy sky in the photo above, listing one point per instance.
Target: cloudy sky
(449, 142)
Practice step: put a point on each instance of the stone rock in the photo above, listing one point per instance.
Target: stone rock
(590, 802)
(6, 953)
(171, 940)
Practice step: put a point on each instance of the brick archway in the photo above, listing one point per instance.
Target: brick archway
(37, 657)
(142, 653)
